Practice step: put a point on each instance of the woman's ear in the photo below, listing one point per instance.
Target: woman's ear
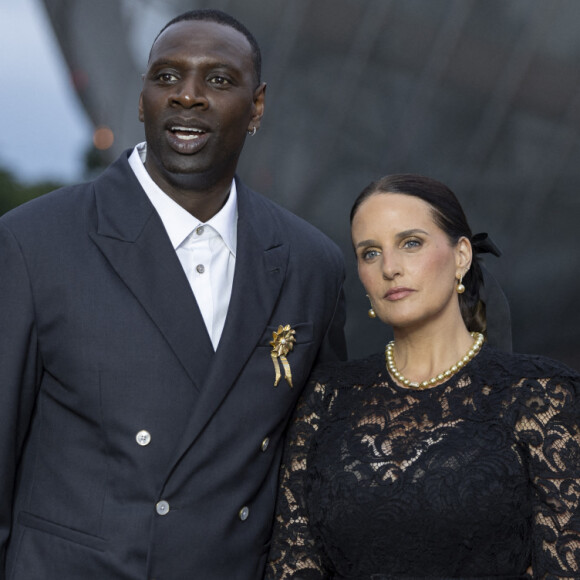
(463, 256)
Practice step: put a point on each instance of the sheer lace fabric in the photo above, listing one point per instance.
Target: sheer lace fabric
(475, 478)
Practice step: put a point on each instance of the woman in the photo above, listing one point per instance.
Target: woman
(442, 457)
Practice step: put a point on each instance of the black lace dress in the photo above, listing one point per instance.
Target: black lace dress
(476, 478)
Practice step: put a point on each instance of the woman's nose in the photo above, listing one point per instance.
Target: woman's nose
(391, 265)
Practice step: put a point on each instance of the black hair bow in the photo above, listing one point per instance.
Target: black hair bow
(482, 244)
(499, 331)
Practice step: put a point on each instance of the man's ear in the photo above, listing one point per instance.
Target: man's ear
(141, 117)
(259, 105)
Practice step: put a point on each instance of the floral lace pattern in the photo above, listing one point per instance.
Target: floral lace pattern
(476, 478)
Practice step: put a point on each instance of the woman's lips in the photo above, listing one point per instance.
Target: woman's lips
(395, 294)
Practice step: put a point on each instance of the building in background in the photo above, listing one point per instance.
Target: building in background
(481, 94)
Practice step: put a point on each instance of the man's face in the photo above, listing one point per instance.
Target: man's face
(200, 97)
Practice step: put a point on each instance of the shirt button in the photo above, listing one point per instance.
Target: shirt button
(143, 438)
(244, 513)
(199, 230)
(200, 268)
(162, 508)
(265, 444)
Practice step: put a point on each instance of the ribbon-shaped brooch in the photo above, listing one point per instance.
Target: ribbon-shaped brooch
(282, 343)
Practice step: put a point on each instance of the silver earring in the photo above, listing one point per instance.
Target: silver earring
(252, 131)
(371, 312)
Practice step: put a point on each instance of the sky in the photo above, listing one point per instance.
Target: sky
(44, 131)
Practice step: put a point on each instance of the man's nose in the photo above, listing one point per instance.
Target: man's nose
(190, 92)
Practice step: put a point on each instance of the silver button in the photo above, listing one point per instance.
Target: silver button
(265, 444)
(199, 230)
(162, 508)
(143, 438)
(244, 513)
(200, 268)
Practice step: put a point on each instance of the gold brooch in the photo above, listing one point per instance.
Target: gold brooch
(282, 343)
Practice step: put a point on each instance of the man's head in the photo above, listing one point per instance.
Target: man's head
(201, 95)
(227, 20)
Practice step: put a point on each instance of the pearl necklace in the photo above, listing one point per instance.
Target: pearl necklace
(392, 367)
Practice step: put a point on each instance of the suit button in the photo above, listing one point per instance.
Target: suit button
(162, 508)
(265, 444)
(143, 438)
(244, 513)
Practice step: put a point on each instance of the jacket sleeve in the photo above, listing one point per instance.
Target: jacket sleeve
(333, 347)
(19, 372)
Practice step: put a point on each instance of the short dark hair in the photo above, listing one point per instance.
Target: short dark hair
(209, 15)
(450, 217)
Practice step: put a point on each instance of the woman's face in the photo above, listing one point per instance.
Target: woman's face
(406, 261)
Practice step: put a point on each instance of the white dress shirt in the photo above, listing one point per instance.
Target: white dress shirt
(207, 251)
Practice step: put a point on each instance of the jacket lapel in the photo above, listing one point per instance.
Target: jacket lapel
(260, 271)
(261, 262)
(131, 236)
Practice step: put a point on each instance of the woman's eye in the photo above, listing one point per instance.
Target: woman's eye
(369, 254)
(413, 243)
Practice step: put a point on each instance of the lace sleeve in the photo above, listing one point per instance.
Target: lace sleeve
(294, 552)
(549, 428)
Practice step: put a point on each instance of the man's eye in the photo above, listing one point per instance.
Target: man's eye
(221, 81)
(166, 77)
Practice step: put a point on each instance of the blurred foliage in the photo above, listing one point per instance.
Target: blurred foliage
(96, 160)
(13, 192)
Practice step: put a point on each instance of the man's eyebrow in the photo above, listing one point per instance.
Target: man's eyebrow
(211, 64)
(160, 62)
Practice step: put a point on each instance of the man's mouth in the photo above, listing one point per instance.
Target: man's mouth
(187, 133)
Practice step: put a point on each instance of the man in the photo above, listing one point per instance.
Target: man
(156, 328)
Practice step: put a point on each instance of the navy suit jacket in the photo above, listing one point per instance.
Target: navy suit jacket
(101, 339)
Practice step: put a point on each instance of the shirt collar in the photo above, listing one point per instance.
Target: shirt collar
(178, 222)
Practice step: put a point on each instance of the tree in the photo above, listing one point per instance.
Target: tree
(13, 192)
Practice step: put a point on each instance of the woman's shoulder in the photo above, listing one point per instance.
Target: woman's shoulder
(531, 366)
(340, 384)
(353, 372)
(528, 375)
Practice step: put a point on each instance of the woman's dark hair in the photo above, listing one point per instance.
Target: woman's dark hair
(449, 216)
